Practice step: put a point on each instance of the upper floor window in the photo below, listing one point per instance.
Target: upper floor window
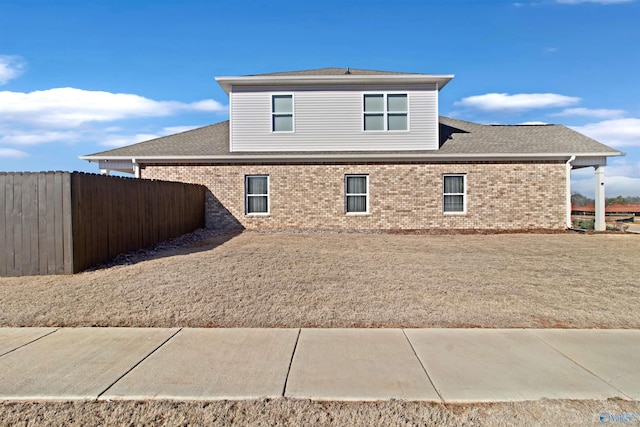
(454, 192)
(386, 111)
(282, 113)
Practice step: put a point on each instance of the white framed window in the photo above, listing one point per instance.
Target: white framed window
(386, 111)
(356, 194)
(282, 113)
(454, 193)
(256, 194)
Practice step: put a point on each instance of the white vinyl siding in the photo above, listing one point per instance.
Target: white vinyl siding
(454, 194)
(330, 119)
(256, 194)
(356, 194)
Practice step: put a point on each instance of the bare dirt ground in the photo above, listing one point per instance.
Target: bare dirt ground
(289, 412)
(341, 280)
(349, 280)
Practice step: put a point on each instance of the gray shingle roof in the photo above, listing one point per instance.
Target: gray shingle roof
(457, 137)
(333, 72)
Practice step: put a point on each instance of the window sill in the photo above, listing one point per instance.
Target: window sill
(258, 214)
(454, 213)
(357, 213)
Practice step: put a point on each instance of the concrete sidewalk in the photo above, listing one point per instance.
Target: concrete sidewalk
(447, 365)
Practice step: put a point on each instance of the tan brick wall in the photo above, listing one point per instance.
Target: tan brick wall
(402, 196)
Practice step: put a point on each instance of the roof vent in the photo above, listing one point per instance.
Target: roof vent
(348, 71)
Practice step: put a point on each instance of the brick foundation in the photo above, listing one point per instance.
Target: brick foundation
(522, 195)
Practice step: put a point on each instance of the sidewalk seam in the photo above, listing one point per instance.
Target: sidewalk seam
(579, 365)
(295, 347)
(30, 342)
(423, 367)
(138, 363)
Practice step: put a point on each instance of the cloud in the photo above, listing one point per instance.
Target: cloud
(492, 102)
(11, 153)
(69, 107)
(604, 2)
(600, 113)
(617, 132)
(534, 123)
(11, 67)
(26, 138)
(615, 185)
(115, 141)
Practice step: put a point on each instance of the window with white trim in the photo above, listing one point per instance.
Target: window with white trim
(256, 194)
(454, 193)
(356, 194)
(282, 113)
(386, 112)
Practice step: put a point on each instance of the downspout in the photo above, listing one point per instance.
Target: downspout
(136, 168)
(568, 191)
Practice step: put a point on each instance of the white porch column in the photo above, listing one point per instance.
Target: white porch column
(599, 205)
(106, 172)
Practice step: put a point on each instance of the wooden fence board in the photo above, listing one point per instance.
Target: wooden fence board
(67, 243)
(3, 227)
(60, 222)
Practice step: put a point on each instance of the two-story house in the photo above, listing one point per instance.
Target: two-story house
(339, 148)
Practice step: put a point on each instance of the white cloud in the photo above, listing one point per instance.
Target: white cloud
(11, 67)
(26, 138)
(600, 113)
(534, 123)
(605, 2)
(615, 185)
(518, 102)
(70, 107)
(115, 141)
(616, 132)
(11, 153)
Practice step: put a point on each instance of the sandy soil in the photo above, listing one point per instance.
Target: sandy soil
(349, 280)
(289, 412)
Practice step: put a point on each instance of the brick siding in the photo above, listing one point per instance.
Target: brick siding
(503, 195)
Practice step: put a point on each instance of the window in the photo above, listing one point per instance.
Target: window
(356, 193)
(257, 194)
(384, 112)
(454, 194)
(282, 113)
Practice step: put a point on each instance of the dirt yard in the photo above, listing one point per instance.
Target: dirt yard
(350, 280)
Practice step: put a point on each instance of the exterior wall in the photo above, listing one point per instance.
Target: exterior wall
(402, 196)
(330, 119)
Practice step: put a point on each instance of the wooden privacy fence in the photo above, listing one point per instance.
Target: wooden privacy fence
(62, 222)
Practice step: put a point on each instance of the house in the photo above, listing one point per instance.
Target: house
(339, 148)
(615, 211)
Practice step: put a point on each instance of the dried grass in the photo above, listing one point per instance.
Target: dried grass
(349, 280)
(290, 412)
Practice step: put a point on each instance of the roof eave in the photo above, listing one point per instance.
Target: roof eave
(441, 80)
(376, 157)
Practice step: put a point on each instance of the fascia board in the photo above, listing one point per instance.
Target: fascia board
(351, 157)
(440, 79)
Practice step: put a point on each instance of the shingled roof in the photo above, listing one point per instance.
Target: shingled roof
(457, 138)
(334, 72)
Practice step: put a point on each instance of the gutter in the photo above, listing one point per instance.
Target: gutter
(310, 157)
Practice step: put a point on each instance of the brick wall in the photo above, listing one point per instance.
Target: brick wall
(402, 196)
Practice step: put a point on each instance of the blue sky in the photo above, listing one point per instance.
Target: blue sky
(82, 76)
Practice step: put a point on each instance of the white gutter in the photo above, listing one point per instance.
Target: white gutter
(440, 79)
(310, 157)
(568, 195)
